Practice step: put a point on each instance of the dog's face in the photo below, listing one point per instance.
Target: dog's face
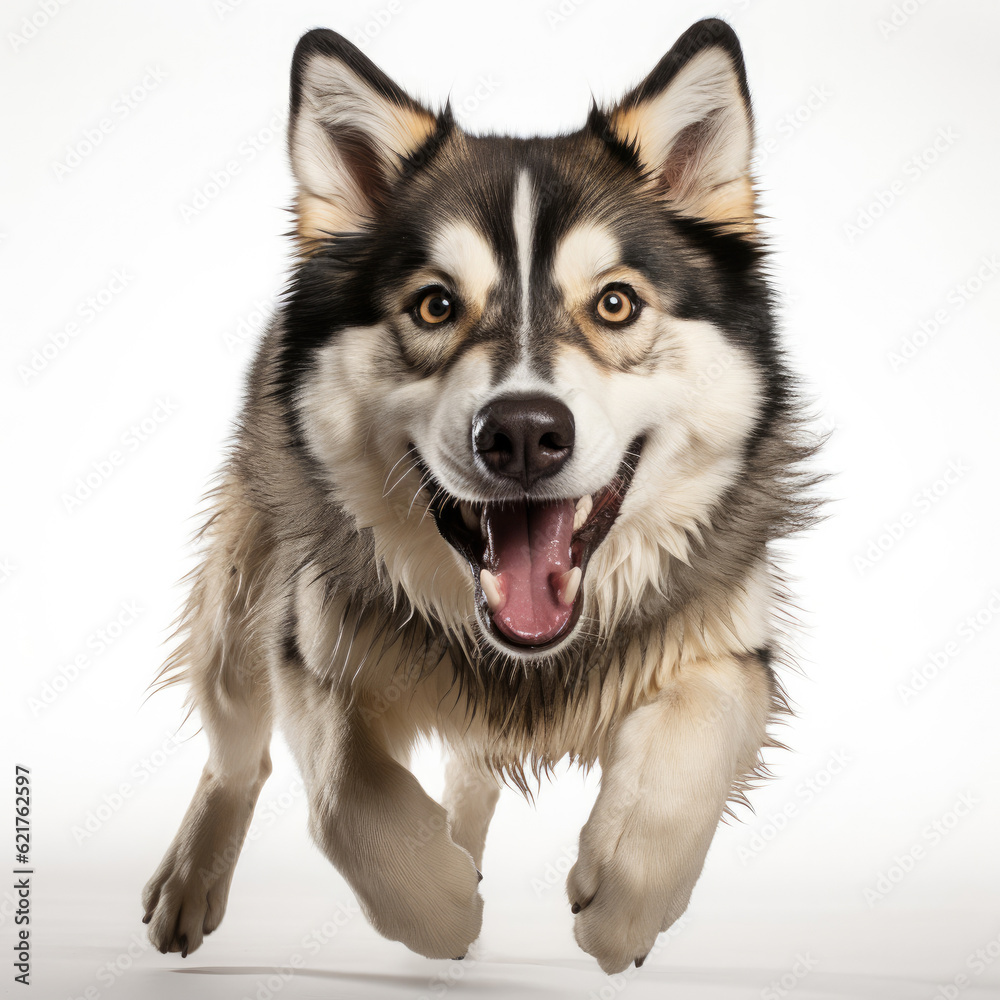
(531, 366)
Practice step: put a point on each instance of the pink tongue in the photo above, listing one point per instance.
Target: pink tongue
(528, 548)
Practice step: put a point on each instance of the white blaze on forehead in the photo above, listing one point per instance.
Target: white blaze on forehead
(524, 234)
(586, 251)
(463, 252)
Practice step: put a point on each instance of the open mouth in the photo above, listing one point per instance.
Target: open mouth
(529, 557)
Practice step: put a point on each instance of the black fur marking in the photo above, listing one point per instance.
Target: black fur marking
(625, 150)
(329, 292)
(424, 154)
(290, 639)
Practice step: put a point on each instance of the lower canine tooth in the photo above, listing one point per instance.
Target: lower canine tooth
(469, 517)
(569, 585)
(583, 508)
(493, 589)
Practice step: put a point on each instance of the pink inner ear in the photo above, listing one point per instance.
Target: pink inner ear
(684, 162)
(362, 159)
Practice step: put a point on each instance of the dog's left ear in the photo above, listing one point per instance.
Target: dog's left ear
(690, 124)
(351, 133)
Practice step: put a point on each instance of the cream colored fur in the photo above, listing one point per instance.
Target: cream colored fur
(685, 721)
(675, 719)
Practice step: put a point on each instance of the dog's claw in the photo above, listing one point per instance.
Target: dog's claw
(576, 908)
(149, 916)
(480, 874)
(183, 942)
(640, 960)
(459, 959)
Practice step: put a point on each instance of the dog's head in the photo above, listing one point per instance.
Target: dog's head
(530, 366)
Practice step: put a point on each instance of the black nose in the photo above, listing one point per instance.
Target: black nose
(523, 438)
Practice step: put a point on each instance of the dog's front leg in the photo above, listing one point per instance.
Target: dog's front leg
(186, 897)
(384, 834)
(671, 767)
(470, 796)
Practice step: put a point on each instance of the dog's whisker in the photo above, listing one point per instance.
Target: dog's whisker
(430, 506)
(403, 475)
(410, 452)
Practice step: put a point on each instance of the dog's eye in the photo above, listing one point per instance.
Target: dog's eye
(434, 307)
(617, 304)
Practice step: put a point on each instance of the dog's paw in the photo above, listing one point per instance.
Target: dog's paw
(625, 890)
(414, 883)
(433, 905)
(183, 902)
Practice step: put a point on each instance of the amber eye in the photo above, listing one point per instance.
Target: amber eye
(435, 307)
(617, 304)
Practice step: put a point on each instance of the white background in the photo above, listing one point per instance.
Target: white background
(876, 234)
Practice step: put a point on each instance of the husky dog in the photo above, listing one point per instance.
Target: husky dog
(512, 457)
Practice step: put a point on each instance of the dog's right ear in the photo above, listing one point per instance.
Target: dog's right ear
(351, 131)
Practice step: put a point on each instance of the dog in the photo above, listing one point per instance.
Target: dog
(512, 459)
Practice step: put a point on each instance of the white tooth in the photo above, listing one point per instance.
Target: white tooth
(583, 508)
(569, 585)
(493, 588)
(469, 517)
